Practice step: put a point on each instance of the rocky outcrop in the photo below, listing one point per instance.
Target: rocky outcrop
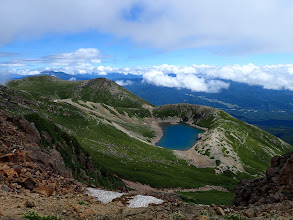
(29, 176)
(276, 186)
(19, 141)
(26, 163)
(26, 166)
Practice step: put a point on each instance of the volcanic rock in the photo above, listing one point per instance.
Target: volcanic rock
(44, 190)
(5, 188)
(30, 204)
(29, 183)
(276, 186)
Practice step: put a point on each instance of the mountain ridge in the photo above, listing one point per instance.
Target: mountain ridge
(107, 131)
(97, 90)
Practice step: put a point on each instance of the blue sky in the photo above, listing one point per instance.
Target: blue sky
(140, 36)
(122, 52)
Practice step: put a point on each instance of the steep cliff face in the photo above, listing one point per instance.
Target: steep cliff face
(276, 186)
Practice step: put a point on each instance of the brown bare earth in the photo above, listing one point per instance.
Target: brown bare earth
(80, 206)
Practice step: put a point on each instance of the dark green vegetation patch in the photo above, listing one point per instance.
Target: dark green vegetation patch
(35, 216)
(208, 197)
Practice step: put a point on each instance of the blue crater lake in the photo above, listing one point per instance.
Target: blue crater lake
(178, 137)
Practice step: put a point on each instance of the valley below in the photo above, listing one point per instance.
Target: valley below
(107, 138)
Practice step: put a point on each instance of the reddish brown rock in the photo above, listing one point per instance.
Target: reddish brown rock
(44, 190)
(276, 186)
(203, 217)
(32, 134)
(8, 158)
(24, 165)
(11, 173)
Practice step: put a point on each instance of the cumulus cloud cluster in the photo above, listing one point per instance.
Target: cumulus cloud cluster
(182, 80)
(200, 78)
(268, 76)
(243, 26)
(205, 78)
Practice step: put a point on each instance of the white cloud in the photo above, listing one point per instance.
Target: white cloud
(124, 83)
(85, 68)
(243, 26)
(202, 78)
(8, 74)
(23, 72)
(20, 63)
(81, 61)
(9, 65)
(211, 78)
(187, 81)
(79, 57)
(270, 77)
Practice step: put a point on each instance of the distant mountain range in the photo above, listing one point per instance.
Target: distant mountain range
(66, 76)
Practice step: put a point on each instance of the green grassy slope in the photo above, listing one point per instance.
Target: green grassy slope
(75, 156)
(48, 86)
(132, 159)
(96, 90)
(108, 92)
(208, 197)
(126, 157)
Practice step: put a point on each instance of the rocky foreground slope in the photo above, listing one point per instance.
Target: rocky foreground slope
(34, 160)
(276, 186)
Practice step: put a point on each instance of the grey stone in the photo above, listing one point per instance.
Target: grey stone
(5, 188)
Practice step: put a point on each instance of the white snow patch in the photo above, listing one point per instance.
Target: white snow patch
(137, 201)
(143, 201)
(103, 195)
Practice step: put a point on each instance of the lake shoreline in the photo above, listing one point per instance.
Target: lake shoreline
(178, 136)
